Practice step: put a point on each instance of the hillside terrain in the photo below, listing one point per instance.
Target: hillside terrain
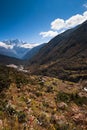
(64, 57)
(5, 60)
(31, 53)
(41, 102)
(43, 64)
(49, 91)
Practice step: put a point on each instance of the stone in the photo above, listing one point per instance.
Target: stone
(62, 105)
(79, 118)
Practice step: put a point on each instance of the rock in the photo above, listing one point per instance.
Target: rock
(58, 118)
(60, 121)
(1, 123)
(62, 105)
(79, 118)
(75, 109)
(85, 89)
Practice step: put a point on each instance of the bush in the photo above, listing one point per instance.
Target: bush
(20, 79)
(4, 78)
(62, 127)
(10, 111)
(43, 119)
(65, 97)
(78, 100)
(21, 117)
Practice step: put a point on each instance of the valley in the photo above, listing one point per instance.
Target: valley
(46, 89)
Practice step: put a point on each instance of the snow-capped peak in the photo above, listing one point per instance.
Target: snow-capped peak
(6, 46)
(27, 45)
(15, 48)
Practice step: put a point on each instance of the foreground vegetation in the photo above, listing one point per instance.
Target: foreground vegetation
(29, 102)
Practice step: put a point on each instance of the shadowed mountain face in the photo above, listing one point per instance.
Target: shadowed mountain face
(33, 52)
(5, 60)
(65, 56)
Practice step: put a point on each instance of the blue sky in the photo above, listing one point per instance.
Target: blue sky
(37, 21)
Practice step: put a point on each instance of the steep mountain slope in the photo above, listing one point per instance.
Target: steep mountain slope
(64, 56)
(33, 52)
(5, 60)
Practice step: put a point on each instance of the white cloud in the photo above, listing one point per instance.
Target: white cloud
(49, 34)
(57, 24)
(25, 45)
(28, 45)
(2, 44)
(73, 21)
(85, 5)
(60, 25)
(85, 15)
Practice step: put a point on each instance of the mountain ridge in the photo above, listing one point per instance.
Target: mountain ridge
(6, 60)
(15, 48)
(66, 50)
(33, 52)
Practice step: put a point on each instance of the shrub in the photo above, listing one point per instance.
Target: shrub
(21, 117)
(43, 119)
(10, 110)
(65, 97)
(20, 79)
(4, 81)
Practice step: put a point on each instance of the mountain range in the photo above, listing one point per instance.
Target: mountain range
(33, 52)
(47, 88)
(65, 56)
(15, 48)
(6, 60)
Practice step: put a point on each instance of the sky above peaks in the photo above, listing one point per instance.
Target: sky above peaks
(37, 21)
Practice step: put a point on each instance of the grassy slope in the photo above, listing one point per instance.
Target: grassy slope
(40, 102)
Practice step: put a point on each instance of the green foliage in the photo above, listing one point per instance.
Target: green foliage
(10, 111)
(78, 100)
(49, 89)
(65, 97)
(43, 119)
(62, 127)
(20, 79)
(4, 78)
(21, 117)
(38, 94)
(10, 75)
(41, 83)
